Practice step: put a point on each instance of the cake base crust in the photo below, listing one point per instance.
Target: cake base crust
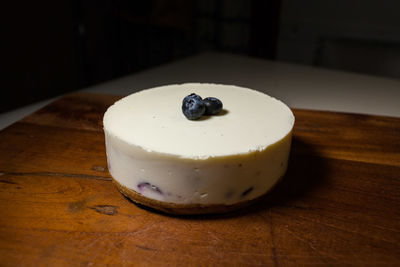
(183, 209)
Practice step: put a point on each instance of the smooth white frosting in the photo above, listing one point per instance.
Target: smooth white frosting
(214, 160)
(153, 120)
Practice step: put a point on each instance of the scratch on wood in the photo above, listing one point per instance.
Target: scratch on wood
(344, 229)
(105, 209)
(311, 246)
(73, 175)
(272, 233)
(76, 206)
(7, 182)
(145, 248)
(269, 221)
(297, 207)
(124, 234)
(98, 168)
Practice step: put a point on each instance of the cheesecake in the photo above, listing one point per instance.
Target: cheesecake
(159, 158)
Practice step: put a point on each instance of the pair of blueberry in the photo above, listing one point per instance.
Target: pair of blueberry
(193, 106)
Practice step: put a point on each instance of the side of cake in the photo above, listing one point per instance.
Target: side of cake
(159, 158)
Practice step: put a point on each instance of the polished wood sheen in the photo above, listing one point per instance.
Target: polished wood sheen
(339, 203)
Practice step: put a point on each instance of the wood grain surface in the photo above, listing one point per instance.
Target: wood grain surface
(339, 203)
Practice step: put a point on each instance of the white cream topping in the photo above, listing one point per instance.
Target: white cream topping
(153, 120)
(236, 156)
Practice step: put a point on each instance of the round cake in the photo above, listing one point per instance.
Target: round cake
(159, 158)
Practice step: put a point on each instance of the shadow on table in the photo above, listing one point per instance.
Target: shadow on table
(306, 172)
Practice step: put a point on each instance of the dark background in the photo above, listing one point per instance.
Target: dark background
(53, 47)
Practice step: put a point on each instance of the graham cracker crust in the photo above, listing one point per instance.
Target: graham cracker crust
(181, 209)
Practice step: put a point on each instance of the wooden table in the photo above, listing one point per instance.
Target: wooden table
(339, 203)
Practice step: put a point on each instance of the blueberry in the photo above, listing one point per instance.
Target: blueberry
(213, 105)
(148, 186)
(193, 106)
(192, 95)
